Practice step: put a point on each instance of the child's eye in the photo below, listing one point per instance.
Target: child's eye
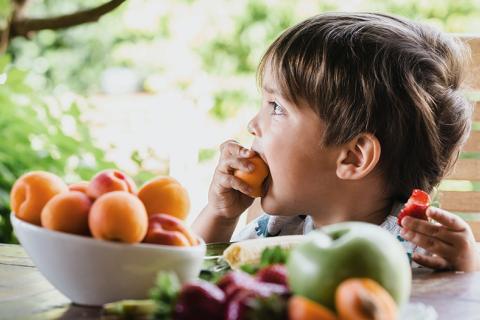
(276, 108)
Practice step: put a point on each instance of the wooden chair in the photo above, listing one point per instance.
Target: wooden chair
(460, 190)
(463, 200)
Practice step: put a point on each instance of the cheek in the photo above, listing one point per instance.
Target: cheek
(288, 168)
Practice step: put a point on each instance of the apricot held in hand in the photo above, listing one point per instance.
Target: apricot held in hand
(254, 179)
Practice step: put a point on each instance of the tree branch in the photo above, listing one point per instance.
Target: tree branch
(23, 26)
(18, 7)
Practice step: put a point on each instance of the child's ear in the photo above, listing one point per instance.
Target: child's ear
(358, 157)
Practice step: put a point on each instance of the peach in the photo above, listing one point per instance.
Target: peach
(168, 230)
(165, 195)
(118, 216)
(79, 186)
(67, 212)
(254, 179)
(108, 181)
(31, 192)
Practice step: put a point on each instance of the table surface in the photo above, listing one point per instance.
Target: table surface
(26, 294)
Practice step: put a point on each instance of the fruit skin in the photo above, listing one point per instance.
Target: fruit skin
(168, 230)
(108, 181)
(237, 308)
(301, 308)
(79, 186)
(118, 216)
(31, 192)
(200, 300)
(416, 206)
(240, 288)
(364, 299)
(345, 250)
(254, 179)
(236, 281)
(165, 195)
(67, 212)
(275, 273)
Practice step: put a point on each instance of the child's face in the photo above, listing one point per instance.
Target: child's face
(288, 138)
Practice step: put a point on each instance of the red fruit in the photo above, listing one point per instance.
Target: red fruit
(416, 206)
(237, 308)
(234, 278)
(200, 300)
(276, 273)
(168, 230)
(235, 281)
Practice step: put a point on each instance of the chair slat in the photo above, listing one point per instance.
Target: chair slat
(476, 110)
(465, 169)
(475, 225)
(473, 78)
(460, 201)
(473, 142)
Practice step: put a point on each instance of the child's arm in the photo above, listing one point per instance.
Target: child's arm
(228, 196)
(451, 241)
(213, 227)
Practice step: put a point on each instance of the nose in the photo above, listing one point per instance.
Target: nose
(252, 126)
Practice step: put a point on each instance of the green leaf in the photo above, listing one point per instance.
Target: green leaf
(273, 307)
(274, 255)
(250, 269)
(270, 255)
(165, 294)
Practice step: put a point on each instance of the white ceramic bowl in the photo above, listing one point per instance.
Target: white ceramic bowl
(94, 272)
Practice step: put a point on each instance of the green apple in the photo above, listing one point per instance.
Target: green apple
(336, 252)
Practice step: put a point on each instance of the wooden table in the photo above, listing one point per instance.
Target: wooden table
(26, 294)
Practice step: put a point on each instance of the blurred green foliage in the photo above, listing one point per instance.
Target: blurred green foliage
(76, 57)
(39, 134)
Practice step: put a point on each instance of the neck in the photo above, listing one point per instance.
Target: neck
(360, 205)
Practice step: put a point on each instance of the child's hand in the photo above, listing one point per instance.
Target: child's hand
(450, 240)
(228, 195)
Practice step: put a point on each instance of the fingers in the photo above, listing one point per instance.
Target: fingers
(228, 165)
(233, 148)
(447, 219)
(228, 182)
(433, 262)
(233, 157)
(429, 243)
(429, 229)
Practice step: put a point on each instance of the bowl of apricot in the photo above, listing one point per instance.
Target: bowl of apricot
(97, 242)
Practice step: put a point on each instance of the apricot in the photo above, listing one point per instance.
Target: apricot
(165, 195)
(118, 216)
(301, 308)
(168, 230)
(364, 299)
(79, 186)
(32, 191)
(255, 178)
(110, 180)
(67, 212)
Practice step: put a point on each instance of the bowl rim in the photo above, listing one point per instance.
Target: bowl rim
(17, 222)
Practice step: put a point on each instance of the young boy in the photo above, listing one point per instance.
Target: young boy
(357, 111)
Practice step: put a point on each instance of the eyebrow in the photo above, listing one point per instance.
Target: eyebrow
(269, 89)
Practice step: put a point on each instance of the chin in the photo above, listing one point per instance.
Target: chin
(273, 207)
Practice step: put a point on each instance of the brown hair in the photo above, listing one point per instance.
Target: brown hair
(378, 74)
